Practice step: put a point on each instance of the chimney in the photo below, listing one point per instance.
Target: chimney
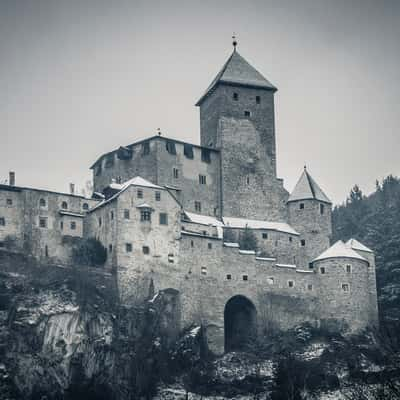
(12, 178)
(72, 188)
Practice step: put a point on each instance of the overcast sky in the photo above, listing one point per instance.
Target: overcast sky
(79, 78)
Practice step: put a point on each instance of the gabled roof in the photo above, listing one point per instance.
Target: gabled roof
(339, 250)
(136, 181)
(356, 245)
(306, 188)
(242, 223)
(202, 219)
(238, 71)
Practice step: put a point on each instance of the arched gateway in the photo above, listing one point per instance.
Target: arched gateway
(240, 322)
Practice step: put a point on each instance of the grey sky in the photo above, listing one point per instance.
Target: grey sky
(79, 78)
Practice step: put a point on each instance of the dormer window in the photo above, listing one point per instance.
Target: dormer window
(235, 96)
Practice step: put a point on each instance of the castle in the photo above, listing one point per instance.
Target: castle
(173, 215)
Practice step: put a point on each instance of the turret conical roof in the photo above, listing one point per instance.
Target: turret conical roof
(237, 71)
(339, 250)
(306, 188)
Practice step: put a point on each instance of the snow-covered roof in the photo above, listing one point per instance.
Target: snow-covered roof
(307, 188)
(339, 250)
(242, 223)
(143, 205)
(203, 219)
(71, 214)
(356, 245)
(121, 187)
(136, 181)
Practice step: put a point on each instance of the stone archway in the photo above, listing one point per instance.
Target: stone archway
(240, 323)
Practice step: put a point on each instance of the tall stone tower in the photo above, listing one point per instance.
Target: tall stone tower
(310, 214)
(237, 117)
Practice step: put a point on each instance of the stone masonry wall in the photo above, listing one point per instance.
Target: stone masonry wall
(315, 228)
(351, 307)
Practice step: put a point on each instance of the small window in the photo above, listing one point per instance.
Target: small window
(322, 270)
(302, 242)
(112, 215)
(301, 206)
(73, 225)
(127, 214)
(2, 221)
(191, 243)
(205, 155)
(85, 206)
(310, 287)
(228, 277)
(245, 277)
(290, 239)
(9, 202)
(270, 281)
(321, 209)
(170, 146)
(64, 205)
(145, 215)
(197, 206)
(100, 221)
(247, 180)
(140, 194)
(204, 270)
(61, 225)
(42, 203)
(345, 287)
(291, 284)
(145, 148)
(258, 100)
(163, 219)
(247, 113)
(175, 172)
(202, 179)
(43, 222)
(109, 161)
(128, 247)
(188, 151)
(235, 96)
(265, 235)
(348, 268)
(118, 179)
(46, 250)
(146, 249)
(110, 248)
(158, 196)
(209, 246)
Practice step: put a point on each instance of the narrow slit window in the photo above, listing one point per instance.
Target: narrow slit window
(235, 96)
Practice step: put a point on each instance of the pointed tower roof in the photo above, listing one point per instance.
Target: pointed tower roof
(306, 188)
(237, 71)
(338, 250)
(356, 245)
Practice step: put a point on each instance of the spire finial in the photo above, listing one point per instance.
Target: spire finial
(234, 42)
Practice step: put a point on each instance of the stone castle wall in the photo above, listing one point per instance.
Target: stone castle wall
(158, 167)
(22, 210)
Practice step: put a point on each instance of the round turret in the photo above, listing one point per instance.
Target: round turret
(343, 281)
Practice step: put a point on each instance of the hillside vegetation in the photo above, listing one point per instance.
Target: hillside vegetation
(375, 221)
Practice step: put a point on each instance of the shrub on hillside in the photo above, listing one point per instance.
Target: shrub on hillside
(90, 252)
